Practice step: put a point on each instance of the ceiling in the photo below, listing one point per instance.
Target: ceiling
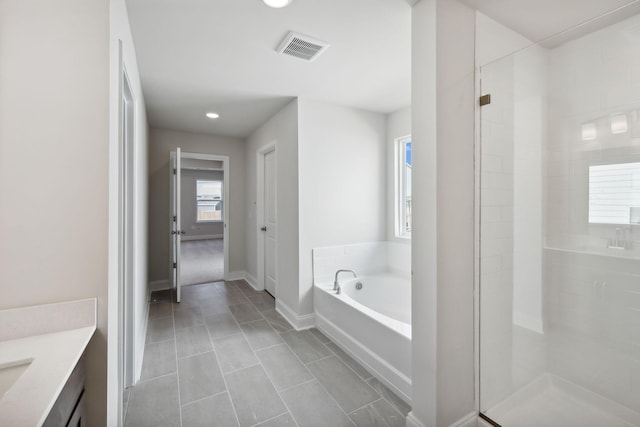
(539, 20)
(196, 56)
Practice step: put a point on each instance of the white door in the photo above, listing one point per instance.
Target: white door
(175, 222)
(270, 224)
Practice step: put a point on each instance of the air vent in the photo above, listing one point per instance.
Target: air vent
(301, 46)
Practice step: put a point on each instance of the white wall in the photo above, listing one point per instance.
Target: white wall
(443, 119)
(193, 228)
(161, 143)
(342, 182)
(398, 125)
(121, 35)
(54, 130)
(281, 130)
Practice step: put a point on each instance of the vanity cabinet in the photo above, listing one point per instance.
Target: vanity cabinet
(69, 409)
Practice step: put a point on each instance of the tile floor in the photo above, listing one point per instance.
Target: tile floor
(225, 357)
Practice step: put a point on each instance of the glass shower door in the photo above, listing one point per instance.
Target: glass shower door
(559, 233)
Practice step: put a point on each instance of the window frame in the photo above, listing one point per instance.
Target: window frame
(400, 207)
(221, 200)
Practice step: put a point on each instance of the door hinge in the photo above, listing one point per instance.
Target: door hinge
(485, 99)
(175, 171)
(175, 265)
(174, 218)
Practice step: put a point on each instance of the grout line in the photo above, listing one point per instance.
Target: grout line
(206, 397)
(271, 379)
(175, 341)
(313, 379)
(222, 374)
(159, 376)
(322, 358)
(269, 419)
(320, 382)
(240, 369)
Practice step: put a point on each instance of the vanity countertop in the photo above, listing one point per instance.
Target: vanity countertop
(49, 340)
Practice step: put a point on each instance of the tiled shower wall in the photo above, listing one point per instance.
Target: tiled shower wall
(548, 303)
(593, 301)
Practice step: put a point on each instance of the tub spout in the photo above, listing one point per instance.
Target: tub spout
(336, 285)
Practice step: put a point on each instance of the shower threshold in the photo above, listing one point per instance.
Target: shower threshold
(552, 401)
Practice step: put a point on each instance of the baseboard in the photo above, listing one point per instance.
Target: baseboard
(412, 421)
(187, 238)
(137, 372)
(251, 280)
(298, 322)
(159, 285)
(236, 275)
(387, 374)
(470, 420)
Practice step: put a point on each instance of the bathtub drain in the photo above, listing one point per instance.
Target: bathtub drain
(359, 285)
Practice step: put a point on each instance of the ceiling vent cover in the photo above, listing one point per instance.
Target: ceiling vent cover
(302, 46)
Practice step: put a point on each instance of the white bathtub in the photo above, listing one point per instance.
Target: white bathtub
(372, 324)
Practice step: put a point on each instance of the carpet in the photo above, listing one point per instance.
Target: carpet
(202, 261)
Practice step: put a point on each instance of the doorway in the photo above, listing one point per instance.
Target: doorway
(267, 216)
(198, 219)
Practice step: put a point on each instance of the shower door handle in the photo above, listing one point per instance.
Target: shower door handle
(264, 228)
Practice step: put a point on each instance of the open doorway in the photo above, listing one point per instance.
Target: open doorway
(198, 219)
(202, 251)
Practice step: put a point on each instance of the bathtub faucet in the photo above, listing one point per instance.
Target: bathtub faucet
(336, 285)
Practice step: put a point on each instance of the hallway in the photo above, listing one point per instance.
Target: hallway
(225, 357)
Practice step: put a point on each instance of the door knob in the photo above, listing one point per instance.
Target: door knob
(183, 232)
(264, 228)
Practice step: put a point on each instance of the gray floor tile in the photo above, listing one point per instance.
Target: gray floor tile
(368, 417)
(213, 305)
(233, 297)
(349, 361)
(192, 341)
(283, 367)
(154, 403)
(199, 376)
(221, 325)
(215, 410)
(389, 413)
(160, 309)
(165, 295)
(322, 337)
(350, 391)
(390, 396)
(311, 406)
(186, 317)
(244, 286)
(160, 329)
(159, 359)
(262, 301)
(276, 321)
(234, 353)
(260, 334)
(305, 345)
(253, 395)
(283, 420)
(245, 312)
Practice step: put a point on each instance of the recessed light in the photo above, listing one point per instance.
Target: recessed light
(213, 115)
(277, 3)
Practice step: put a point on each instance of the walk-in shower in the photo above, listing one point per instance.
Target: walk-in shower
(559, 199)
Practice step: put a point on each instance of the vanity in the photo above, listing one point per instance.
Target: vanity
(42, 369)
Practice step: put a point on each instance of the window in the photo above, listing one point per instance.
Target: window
(403, 180)
(208, 200)
(614, 194)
